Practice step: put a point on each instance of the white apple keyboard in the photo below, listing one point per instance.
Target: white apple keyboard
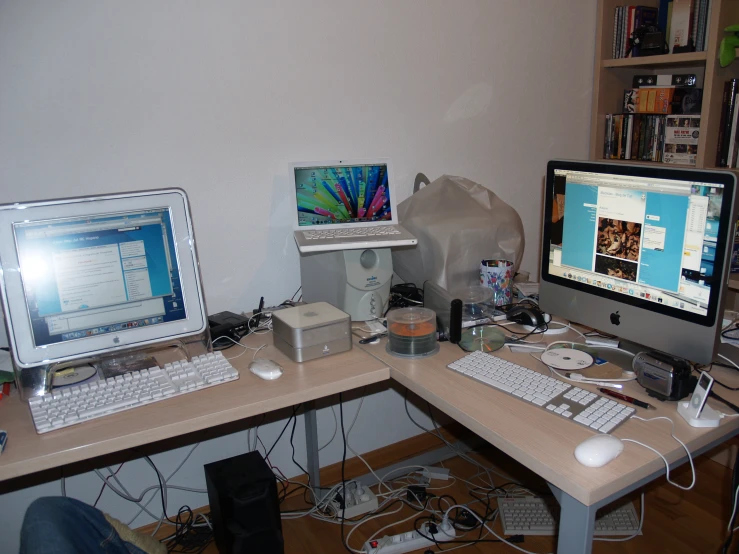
(534, 516)
(78, 403)
(557, 397)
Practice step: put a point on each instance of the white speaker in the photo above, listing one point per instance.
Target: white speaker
(355, 281)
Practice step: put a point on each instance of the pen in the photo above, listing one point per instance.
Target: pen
(625, 398)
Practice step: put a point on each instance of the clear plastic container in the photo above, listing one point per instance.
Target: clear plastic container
(412, 332)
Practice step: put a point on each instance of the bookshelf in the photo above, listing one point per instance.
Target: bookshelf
(612, 76)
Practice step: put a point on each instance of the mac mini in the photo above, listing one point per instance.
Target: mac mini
(311, 331)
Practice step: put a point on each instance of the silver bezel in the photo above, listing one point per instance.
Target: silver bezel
(17, 319)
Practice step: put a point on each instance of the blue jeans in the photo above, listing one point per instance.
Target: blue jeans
(61, 525)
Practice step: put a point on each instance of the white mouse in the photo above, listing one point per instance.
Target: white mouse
(266, 369)
(597, 451)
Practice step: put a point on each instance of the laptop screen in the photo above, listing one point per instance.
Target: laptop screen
(343, 194)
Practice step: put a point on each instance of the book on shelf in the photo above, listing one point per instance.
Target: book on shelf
(681, 25)
(663, 100)
(634, 136)
(681, 139)
(727, 127)
(688, 22)
(734, 267)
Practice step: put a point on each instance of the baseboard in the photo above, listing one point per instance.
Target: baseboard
(386, 456)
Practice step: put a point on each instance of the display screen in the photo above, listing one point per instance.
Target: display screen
(646, 238)
(342, 194)
(94, 275)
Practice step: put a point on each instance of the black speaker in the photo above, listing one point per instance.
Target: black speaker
(455, 321)
(245, 512)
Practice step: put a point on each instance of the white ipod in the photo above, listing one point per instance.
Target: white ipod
(700, 394)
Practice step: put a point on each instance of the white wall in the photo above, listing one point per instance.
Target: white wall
(217, 98)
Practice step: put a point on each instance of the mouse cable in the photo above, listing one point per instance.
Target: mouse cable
(667, 464)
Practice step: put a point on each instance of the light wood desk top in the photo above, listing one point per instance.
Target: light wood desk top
(544, 442)
(28, 452)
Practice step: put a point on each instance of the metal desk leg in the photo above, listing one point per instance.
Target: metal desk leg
(576, 524)
(311, 444)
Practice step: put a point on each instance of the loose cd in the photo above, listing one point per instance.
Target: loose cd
(485, 338)
(567, 358)
(72, 375)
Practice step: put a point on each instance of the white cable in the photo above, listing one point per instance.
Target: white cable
(484, 524)
(667, 464)
(728, 360)
(733, 511)
(64, 486)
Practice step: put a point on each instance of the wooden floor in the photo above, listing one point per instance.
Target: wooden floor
(675, 521)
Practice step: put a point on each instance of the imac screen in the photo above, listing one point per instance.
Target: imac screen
(342, 194)
(650, 238)
(93, 275)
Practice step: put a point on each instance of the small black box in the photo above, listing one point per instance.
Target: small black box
(228, 324)
(242, 492)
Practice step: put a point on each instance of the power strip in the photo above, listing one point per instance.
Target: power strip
(357, 502)
(410, 541)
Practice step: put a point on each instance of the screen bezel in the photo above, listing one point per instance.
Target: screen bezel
(25, 352)
(387, 162)
(724, 179)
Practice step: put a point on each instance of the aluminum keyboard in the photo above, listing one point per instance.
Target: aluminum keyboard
(589, 409)
(534, 516)
(77, 403)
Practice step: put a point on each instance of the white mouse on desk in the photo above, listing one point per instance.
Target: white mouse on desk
(598, 450)
(266, 369)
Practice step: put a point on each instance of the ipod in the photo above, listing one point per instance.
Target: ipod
(700, 394)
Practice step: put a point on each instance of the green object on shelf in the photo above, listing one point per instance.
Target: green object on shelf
(6, 377)
(727, 50)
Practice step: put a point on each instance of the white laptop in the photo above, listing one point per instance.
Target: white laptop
(345, 205)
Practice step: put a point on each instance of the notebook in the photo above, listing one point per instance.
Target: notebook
(345, 205)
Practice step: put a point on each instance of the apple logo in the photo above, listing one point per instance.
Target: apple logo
(616, 318)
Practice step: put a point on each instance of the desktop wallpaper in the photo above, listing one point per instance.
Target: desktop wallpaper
(343, 194)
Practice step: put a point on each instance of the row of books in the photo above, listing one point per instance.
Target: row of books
(684, 24)
(728, 131)
(652, 137)
(628, 18)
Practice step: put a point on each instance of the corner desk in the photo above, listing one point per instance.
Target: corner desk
(545, 443)
(542, 442)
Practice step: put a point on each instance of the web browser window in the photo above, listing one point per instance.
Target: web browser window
(650, 238)
(91, 276)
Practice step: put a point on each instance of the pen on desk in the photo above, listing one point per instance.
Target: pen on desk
(625, 398)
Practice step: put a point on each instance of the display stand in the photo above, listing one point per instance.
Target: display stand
(355, 281)
(36, 381)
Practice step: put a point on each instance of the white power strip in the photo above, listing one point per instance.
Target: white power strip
(357, 502)
(410, 541)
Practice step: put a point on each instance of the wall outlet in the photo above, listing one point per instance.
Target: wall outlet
(410, 541)
(358, 501)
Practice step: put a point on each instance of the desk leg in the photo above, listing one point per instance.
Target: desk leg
(576, 524)
(311, 444)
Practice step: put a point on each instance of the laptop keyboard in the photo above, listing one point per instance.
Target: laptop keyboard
(351, 233)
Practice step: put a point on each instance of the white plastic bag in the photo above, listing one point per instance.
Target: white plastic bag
(458, 223)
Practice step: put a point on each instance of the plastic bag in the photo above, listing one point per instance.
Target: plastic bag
(458, 223)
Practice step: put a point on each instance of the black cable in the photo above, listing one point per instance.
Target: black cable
(295, 410)
(343, 471)
(729, 404)
(292, 445)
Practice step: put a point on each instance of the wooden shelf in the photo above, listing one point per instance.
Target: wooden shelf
(671, 60)
(734, 283)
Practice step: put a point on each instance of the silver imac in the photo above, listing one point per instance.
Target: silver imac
(640, 252)
(82, 277)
